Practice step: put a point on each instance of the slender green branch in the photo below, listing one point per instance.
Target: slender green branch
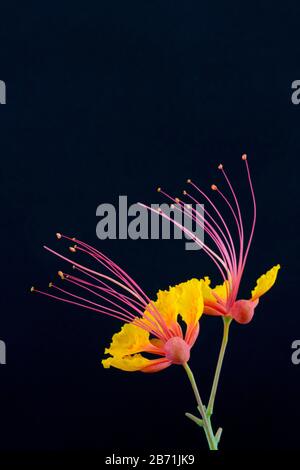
(210, 408)
(218, 435)
(195, 419)
(206, 424)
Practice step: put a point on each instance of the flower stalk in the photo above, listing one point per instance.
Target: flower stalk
(210, 408)
(205, 422)
(206, 413)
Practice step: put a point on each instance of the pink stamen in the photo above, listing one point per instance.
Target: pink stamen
(194, 216)
(126, 301)
(228, 260)
(160, 328)
(129, 316)
(108, 288)
(254, 211)
(81, 305)
(119, 272)
(226, 252)
(215, 258)
(84, 268)
(220, 216)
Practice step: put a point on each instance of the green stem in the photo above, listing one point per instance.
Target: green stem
(206, 424)
(210, 408)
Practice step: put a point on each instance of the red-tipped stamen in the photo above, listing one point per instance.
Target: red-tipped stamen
(211, 231)
(112, 293)
(230, 240)
(120, 273)
(140, 303)
(230, 259)
(244, 157)
(193, 237)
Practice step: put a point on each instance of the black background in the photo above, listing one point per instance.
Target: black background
(112, 98)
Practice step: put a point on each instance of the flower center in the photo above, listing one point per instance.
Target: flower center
(177, 350)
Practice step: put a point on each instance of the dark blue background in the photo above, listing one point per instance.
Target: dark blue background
(111, 98)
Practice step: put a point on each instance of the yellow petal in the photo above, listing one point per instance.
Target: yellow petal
(127, 363)
(130, 340)
(207, 290)
(190, 300)
(221, 290)
(167, 306)
(265, 282)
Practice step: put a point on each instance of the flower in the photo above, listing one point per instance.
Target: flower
(216, 300)
(150, 327)
(230, 252)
